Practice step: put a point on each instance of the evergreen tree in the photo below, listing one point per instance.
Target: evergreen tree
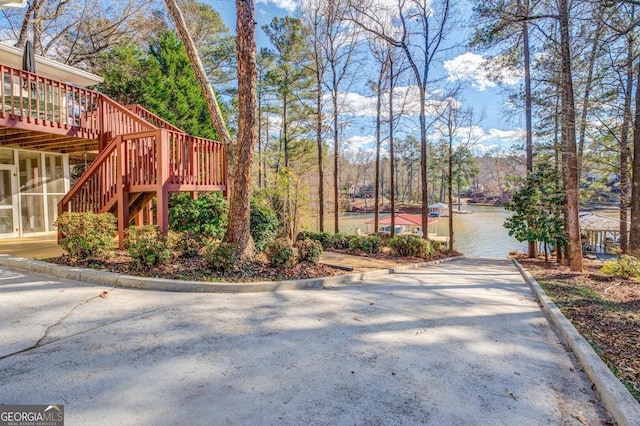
(538, 209)
(170, 88)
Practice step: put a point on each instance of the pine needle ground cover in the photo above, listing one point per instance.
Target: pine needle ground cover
(605, 310)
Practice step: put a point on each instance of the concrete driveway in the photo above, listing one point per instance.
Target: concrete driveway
(457, 343)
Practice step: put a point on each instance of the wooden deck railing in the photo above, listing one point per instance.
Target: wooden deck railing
(196, 161)
(51, 104)
(150, 117)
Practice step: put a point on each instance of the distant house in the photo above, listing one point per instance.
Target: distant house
(404, 223)
(366, 190)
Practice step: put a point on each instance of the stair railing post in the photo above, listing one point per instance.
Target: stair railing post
(162, 208)
(101, 126)
(123, 209)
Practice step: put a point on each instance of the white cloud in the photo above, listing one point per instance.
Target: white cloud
(406, 102)
(356, 142)
(288, 5)
(356, 145)
(353, 104)
(504, 135)
(482, 73)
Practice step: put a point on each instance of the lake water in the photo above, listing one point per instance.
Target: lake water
(477, 234)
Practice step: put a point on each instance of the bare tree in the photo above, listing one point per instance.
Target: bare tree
(337, 44)
(77, 32)
(423, 26)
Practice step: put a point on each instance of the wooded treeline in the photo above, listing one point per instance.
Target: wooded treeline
(356, 87)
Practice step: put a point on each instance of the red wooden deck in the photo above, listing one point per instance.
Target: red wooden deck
(139, 155)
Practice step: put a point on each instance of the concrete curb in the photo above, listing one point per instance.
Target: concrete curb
(160, 284)
(622, 406)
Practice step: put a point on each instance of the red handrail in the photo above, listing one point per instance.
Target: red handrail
(97, 186)
(152, 118)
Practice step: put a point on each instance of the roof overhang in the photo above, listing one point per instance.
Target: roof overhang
(12, 56)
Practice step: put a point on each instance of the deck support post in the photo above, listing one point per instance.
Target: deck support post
(123, 197)
(162, 195)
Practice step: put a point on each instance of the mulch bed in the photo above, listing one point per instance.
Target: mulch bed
(605, 310)
(194, 269)
(385, 254)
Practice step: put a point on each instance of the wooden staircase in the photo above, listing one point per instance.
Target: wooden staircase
(141, 157)
(141, 166)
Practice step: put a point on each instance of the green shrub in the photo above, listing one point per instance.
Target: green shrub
(304, 235)
(366, 243)
(410, 245)
(87, 235)
(341, 241)
(186, 243)
(439, 246)
(324, 238)
(221, 257)
(146, 245)
(625, 266)
(264, 224)
(308, 250)
(280, 254)
(384, 237)
(206, 216)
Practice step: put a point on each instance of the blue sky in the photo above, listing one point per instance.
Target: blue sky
(481, 93)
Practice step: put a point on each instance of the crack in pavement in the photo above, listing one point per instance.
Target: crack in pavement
(67, 315)
(41, 341)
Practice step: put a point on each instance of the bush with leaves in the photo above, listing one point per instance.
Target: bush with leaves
(342, 241)
(221, 257)
(87, 235)
(147, 246)
(410, 246)
(264, 223)
(186, 243)
(308, 250)
(625, 266)
(384, 237)
(369, 244)
(280, 254)
(324, 238)
(303, 235)
(206, 216)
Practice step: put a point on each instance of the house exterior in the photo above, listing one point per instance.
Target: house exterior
(50, 121)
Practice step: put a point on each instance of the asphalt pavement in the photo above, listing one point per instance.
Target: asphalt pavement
(462, 342)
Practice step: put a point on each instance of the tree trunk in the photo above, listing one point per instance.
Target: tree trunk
(450, 185)
(569, 136)
(392, 161)
(241, 156)
(336, 160)
(634, 230)
(376, 209)
(624, 151)
(239, 231)
(423, 164)
(320, 160)
(528, 109)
